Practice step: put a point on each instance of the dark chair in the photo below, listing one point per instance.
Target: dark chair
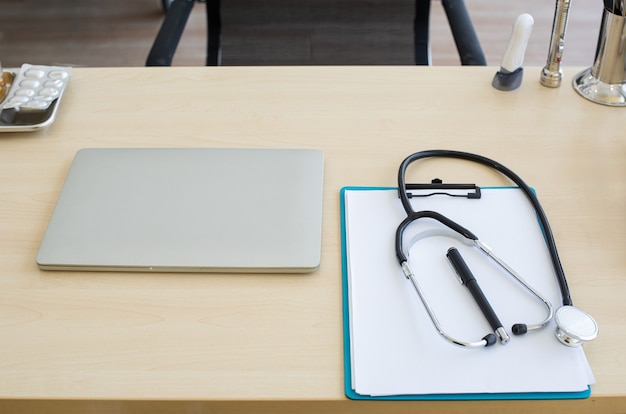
(177, 14)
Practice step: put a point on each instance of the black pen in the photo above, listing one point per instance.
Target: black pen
(467, 278)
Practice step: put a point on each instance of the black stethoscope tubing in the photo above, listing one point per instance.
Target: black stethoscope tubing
(412, 215)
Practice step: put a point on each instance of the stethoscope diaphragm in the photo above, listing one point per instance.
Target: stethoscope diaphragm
(574, 326)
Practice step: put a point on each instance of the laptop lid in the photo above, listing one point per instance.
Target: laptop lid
(188, 210)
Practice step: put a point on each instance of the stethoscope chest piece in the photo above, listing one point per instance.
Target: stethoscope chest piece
(574, 326)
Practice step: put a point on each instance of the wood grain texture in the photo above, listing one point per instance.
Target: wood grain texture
(121, 342)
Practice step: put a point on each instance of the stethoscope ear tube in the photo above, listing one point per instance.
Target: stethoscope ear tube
(427, 214)
(520, 328)
(487, 340)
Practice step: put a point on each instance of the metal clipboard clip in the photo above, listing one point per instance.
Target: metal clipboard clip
(437, 187)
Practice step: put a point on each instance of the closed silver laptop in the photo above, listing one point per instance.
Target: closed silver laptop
(188, 210)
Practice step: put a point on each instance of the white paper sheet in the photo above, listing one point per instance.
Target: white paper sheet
(395, 349)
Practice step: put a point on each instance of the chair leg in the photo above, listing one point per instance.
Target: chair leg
(166, 42)
(214, 33)
(467, 42)
(421, 41)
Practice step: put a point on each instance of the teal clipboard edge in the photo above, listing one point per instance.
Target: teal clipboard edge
(349, 390)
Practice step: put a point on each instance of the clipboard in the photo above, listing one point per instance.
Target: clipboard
(390, 212)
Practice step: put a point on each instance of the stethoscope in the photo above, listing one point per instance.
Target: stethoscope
(574, 326)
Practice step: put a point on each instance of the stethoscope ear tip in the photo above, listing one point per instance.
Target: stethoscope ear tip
(519, 329)
(574, 326)
(490, 339)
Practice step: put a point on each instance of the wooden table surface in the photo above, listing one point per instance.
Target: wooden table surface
(124, 342)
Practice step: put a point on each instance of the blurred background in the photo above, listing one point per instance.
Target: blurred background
(278, 32)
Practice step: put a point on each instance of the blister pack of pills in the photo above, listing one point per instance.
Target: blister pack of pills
(32, 97)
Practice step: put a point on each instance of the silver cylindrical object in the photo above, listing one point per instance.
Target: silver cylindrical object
(605, 81)
(610, 62)
(552, 74)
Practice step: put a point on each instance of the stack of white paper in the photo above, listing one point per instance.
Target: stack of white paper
(394, 347)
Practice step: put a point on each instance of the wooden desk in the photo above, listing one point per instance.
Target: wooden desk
(110, 342)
